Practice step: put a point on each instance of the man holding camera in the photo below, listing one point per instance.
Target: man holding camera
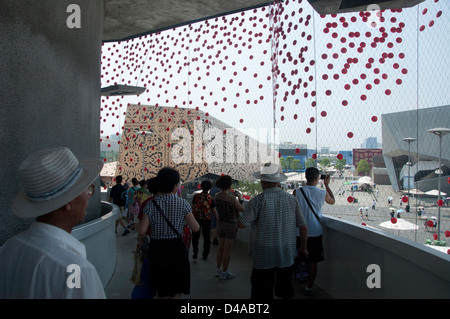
(312, 212)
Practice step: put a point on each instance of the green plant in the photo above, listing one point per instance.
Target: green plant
(249, 188)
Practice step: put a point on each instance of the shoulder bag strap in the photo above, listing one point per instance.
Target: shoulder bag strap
(167, 220)
(309, 204)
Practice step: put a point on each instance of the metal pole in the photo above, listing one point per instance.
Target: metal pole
(409, 174)
(439, 189)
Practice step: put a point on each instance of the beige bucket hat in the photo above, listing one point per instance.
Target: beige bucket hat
(51, 178)
(270, 173)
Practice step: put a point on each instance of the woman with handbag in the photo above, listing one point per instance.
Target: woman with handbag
(168, 256)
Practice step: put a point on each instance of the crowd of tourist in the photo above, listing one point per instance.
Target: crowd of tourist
(284, 229)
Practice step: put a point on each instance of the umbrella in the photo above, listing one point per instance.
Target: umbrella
(390, 198)
(401, 224)
(414, 191)
(435, 192)
(401, 210)
(392, 209)
(365, 180)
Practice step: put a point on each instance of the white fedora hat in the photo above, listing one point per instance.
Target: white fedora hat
(270, 173)
(51, 178)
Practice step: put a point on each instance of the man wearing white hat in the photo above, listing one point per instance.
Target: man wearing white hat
(274, 216)
(46, 261)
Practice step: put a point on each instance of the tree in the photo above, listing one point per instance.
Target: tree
(249, 188)
(340, 164)
(287, 163)
(324, 163)
(283, 163)
(296, 165)
(310, 162)
(363, 167)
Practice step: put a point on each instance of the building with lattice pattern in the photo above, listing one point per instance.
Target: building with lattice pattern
(189, 140)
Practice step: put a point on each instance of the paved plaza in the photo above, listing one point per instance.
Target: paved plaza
(350, 212)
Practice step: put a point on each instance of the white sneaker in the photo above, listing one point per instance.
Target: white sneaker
(218, 272)
(227, 275)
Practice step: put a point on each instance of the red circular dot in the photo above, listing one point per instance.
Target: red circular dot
(308, 130)
(350, 134)
(340, 156)
(374, 118)
(323, 113)
(394, 220)
(314, 156)
(350, 199)
(440, 202)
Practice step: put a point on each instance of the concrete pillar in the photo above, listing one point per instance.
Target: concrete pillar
(49, 89)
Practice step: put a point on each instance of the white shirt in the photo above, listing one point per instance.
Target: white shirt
(34, 264)
(316, 197)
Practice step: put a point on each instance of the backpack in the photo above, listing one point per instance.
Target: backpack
(123, 198)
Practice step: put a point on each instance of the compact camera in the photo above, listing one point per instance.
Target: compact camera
(322, 176)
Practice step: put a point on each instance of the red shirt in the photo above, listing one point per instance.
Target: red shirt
(202, 204)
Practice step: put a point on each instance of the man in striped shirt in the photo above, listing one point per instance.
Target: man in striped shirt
(274, 216)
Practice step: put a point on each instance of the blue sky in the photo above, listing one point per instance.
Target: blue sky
(229, 74)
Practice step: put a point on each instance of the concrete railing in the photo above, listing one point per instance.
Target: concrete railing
(358, 258)
(100, 240)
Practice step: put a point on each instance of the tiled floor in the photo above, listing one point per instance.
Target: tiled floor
(204, 284)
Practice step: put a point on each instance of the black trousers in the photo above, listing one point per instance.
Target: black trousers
(266, 282)
(205, 227)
